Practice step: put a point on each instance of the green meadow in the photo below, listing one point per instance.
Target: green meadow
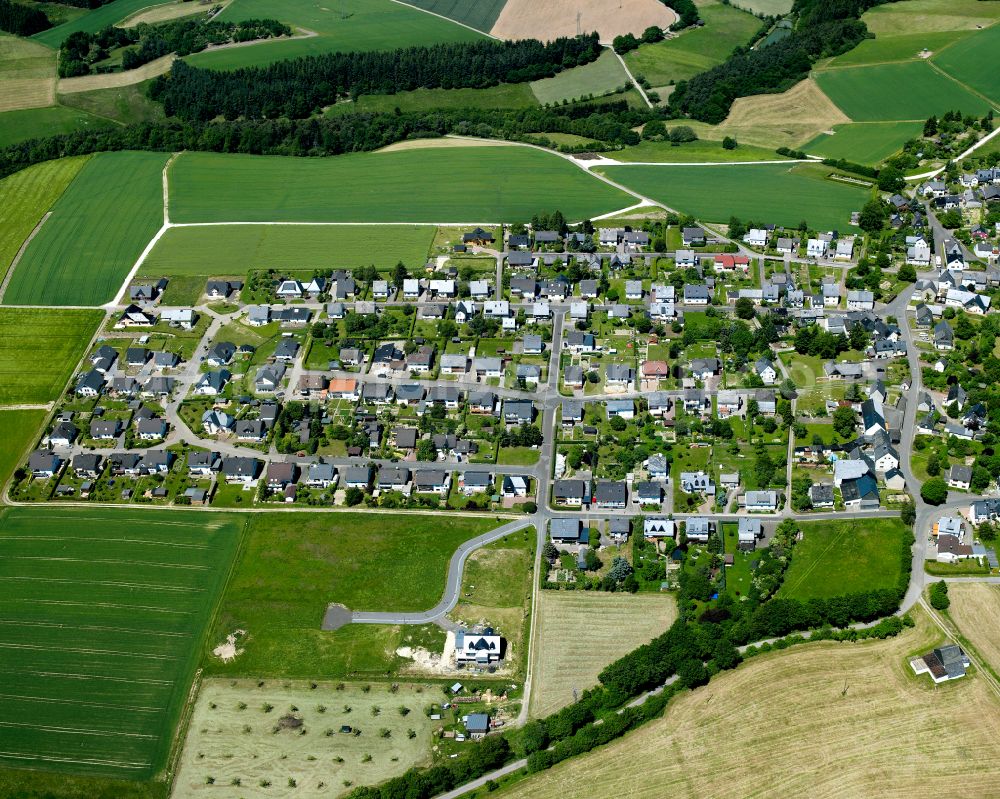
(912, 90)
(39, 349)
(36, 123)
(506, 95)
(778, 193)
(344, 26)
(974, 62)
(902, 47)
(446, 184)
(98, 228)
(93, 21)
(603, 76)
(102, 622)
(864, 142)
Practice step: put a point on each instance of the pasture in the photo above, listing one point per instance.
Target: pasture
(603, 76)
(93, 21)
(347, 26)
(98, 228)
(700, 151)
(967, 62)
(779, 193)
(103, 616)
(124, 104)
(294, 565)
(34, 123)
(912, 90)
(27, 72)
(864, 143)
(454, 184)
(480, 15)
(696, 49)
(855, 713)
(838, 558)
(25, 196)
(975, 608)
(39, 349)
(902, 47)
(506, 95)
(232, 250)
(580, 632)
(236, 737)
(930, 16)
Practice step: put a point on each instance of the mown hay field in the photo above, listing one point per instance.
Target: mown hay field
(344, 26)
(25, 196)
(864, 143)
(837, 558)
(233, 249)
(826, 720)
(779, 193)
(232, 737)
(454, 184)
(27, 73)
(39, 349)
(98, 228)
(525, 19)
(102, 621)
(975, 608)
(930, 16)
(580, 632)
(911, 90)
(603, 76)
(295, 564)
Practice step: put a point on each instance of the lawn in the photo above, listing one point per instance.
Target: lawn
(838, 558)
(99, 18)
(106, 612)
(966, 62)
(455, 184)
(911, 90)
(603, 76)
(702, 150)
(349, 26)
(233, 250)
(98, 228)
(294, 565)
(779, 194)
(39, 349)
(25, 196)
(864, 143)
(568, 662)
(35, 123)
(846, 707)
(696, 49)
(481, 15)
(506, 95)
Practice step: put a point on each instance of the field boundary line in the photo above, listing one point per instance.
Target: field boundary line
(631, 77)
(991, 103)
(17, 258)
(448, 19)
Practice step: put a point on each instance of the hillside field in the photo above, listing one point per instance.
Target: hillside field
(294, 565)
(930, 16)
(35, 123)
(102, 617)
(480, 15)
(838, 558)
(902, 47)
(452, 184)
(93, 21)
(864, 143)
(98, 228)
(911, 90)
(581, 632)
(778, 193)
(968, 62)
(39, 349)
(603, 76)
(506, 95)
(25, 197)
(855, 714)
(27, 73)
(348, 25)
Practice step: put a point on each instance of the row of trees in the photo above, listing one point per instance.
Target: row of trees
(299, 87)
(22, 20)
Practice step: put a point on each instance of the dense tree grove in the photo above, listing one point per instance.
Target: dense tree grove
(81, 50)
(331, 135)
(687, 14)
(299, 87)
(22, 20)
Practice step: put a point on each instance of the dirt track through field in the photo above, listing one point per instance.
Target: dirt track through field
(530, 19)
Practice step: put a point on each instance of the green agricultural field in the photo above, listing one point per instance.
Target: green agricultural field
(506, 95)
(29, 784)
(481, 15)
(92, 22)
(912, 90)
(904, 47)
(348, 25)
(18, 430)
(39, 349)
(25, 196)
(294, 565)
(702, 150)
(769, 8)
(837, 558)
(34, 123)
(782, 194)
(694, 50)
(125, 104)
(864, 142)
(98, 228)
(930, 16)
(603, 76)
(974, 62)
(453, 184)
(103, 616)
(232, 250)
